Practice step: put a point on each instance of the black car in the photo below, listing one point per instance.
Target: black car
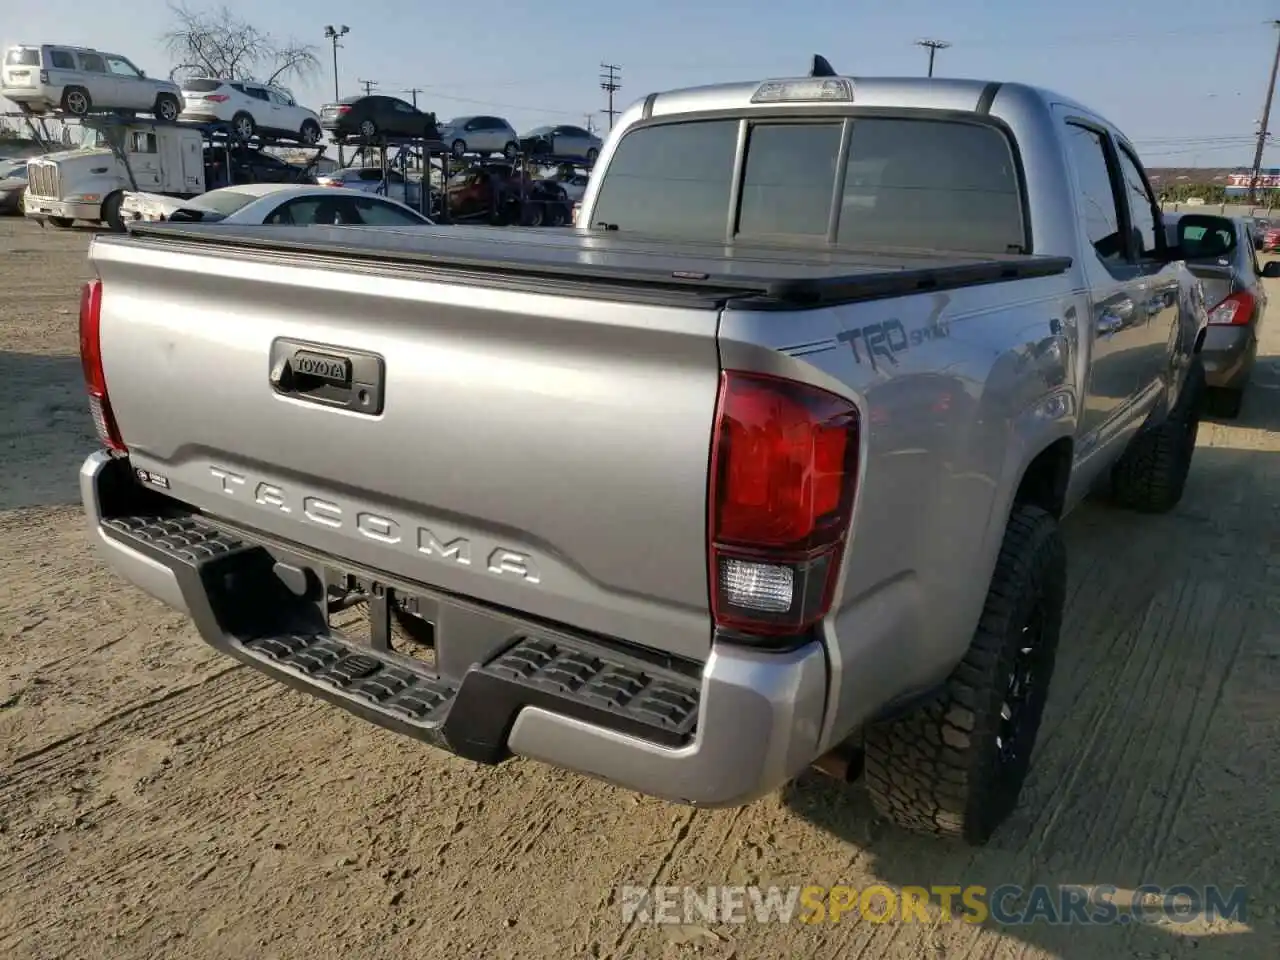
(249, 166)
(375, 117)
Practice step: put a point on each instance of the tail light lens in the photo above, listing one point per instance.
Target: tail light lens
(344, 109)
(784, 465)
(1235, 311)
(95, 379)
(218, 97)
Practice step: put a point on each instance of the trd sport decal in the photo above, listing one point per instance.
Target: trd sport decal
(888, 339)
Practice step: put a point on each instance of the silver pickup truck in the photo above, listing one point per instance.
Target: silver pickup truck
(761, 464)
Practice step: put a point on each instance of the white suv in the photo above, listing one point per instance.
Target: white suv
(81, 81)
(252, 109)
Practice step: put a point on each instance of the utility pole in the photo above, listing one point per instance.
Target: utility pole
(610, 83)
(933, 46)
(368, 86)
(334, 34)
(1266, 119)
(591, 122)
(413, 92)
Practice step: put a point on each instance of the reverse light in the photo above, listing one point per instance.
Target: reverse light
(784, 464)
(809, 89)
(95, 379)
(1234, 311)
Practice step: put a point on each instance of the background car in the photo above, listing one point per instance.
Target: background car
(483, 135)
(287, 205)
(562, 141)
(248, 165)
(252, 109)
(81, 81)
(13, 185)
(1220, 251)
(571, 181)
(377, 116)
(370, 180)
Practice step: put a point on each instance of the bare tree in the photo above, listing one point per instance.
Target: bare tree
(217, 43)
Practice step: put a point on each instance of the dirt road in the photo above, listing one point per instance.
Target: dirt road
(157, 801)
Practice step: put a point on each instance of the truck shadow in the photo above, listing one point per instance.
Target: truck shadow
(1159, 758)
(46, 430)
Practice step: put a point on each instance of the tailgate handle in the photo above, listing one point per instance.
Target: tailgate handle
(328, 375)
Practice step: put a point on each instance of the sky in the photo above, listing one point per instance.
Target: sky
(1185, 81)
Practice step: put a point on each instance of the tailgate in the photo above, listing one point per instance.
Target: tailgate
(532, 450)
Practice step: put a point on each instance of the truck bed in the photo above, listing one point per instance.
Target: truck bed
(600, 264)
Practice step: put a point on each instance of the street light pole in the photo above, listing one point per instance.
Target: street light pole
(333, 34)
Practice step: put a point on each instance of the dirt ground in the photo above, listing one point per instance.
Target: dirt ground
(157, 801)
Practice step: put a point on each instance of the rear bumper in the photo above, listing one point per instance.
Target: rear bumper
(41, 208)
(1228, 354)
(722, 734)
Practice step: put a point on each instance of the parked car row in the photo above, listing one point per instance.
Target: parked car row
(80, 81)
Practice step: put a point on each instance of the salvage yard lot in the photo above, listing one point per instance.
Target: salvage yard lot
(158, 801)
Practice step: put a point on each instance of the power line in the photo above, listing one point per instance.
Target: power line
(933, 46)
(368, 86)
(610, 83)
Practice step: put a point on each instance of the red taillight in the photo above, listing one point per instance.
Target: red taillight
(218, 97)
(95, 380)
(1235, 311)
(344, 109)
(784, 464)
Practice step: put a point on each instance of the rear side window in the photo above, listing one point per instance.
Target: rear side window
(202, 86)
(907, 182)
(62, 60)
(940, 184)
(92, 63)
(22, 57)
(673, 180)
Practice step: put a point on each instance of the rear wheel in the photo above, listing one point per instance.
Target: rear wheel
(459, 148)
(368, 129)
(167, 106)
(511, 150)
(592, 155)
(243, 126)
(1224, 403)
(955, 767)
(76, 101)
(111, 213)
(310, 133)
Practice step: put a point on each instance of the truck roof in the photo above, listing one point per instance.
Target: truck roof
(909, 93)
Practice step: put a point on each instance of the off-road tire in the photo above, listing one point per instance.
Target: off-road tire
(939, 769)
(77, 102)
(1151, 475)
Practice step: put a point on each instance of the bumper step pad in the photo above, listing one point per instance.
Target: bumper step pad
(223, 575)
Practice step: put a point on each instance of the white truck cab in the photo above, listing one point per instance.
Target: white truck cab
(89, 183)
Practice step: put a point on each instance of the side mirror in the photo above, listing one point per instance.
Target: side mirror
(142, 74)
(1271, 269)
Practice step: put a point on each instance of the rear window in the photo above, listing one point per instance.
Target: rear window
(22, 57)
(906, 182)
(223, 202)
(202, 86)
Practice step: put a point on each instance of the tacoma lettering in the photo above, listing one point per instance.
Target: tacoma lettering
(498, 560)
